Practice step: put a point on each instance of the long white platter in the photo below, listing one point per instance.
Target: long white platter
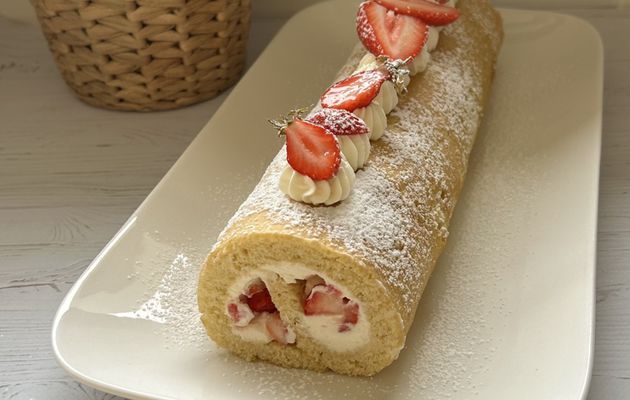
(508, 313)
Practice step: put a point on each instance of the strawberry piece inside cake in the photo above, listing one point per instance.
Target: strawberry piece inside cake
(327, 300)
(327, 313)
(255, 316)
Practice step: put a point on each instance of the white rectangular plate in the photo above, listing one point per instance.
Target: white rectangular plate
(508, 313)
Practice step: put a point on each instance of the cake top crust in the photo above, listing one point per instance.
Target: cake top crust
(403, 198)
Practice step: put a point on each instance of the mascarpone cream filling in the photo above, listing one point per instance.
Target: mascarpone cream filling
(250, 327)
(321, 328)
(256, 331)
(355, 148)
(324, 328)
(302, 188)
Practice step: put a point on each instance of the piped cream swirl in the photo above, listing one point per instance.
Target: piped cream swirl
(367, 63)
(420, 63)
(355, 148)
(387, 96)
(432, 40)
(302, 188)
(374, 117)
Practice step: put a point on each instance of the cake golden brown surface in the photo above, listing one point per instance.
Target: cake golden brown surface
(382, 242)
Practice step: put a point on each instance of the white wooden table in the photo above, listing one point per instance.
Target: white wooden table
(70, 175)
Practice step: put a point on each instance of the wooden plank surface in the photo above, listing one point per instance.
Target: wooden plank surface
(70, 175)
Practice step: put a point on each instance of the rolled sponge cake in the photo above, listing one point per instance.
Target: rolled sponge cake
(379, 246)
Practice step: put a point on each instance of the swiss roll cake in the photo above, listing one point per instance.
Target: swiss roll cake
(324, 264)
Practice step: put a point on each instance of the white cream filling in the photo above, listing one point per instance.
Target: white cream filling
(374, 117)
(324, 328)
(303, 188)
(251, 328)
(254, 332)
(355, 148)
(245, 313)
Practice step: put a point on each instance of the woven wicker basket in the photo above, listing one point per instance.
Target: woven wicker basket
(146, 55)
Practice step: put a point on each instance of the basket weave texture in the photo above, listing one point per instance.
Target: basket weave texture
(145, 55)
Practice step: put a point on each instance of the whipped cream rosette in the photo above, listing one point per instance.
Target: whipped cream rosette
(358, 93)
(351, 132)
(316, 171)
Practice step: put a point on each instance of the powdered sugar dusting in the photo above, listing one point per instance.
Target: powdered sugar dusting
(170, 299)
(402, 201)
(339, 122)
(447, 346)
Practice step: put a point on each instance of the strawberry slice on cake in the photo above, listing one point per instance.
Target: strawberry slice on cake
(316, 172)
(364, 94)
(312, 150)
(403, 29)
(351, 132)
(328, 300)
(384, 32)
(255, 316)
(429, 12)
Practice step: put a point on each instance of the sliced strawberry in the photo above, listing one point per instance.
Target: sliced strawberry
(339, 122)
(312, 150)
(383, 32)
(261, 302)
(311, 282)
(254, 287)
(429, 12)
(240, 313)
(343, 328)
(350, 316)
(277, 329)
(355, 91)
(258, 298)
(324, 300)
(232, 309)
(351, 313)
(327, 300)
